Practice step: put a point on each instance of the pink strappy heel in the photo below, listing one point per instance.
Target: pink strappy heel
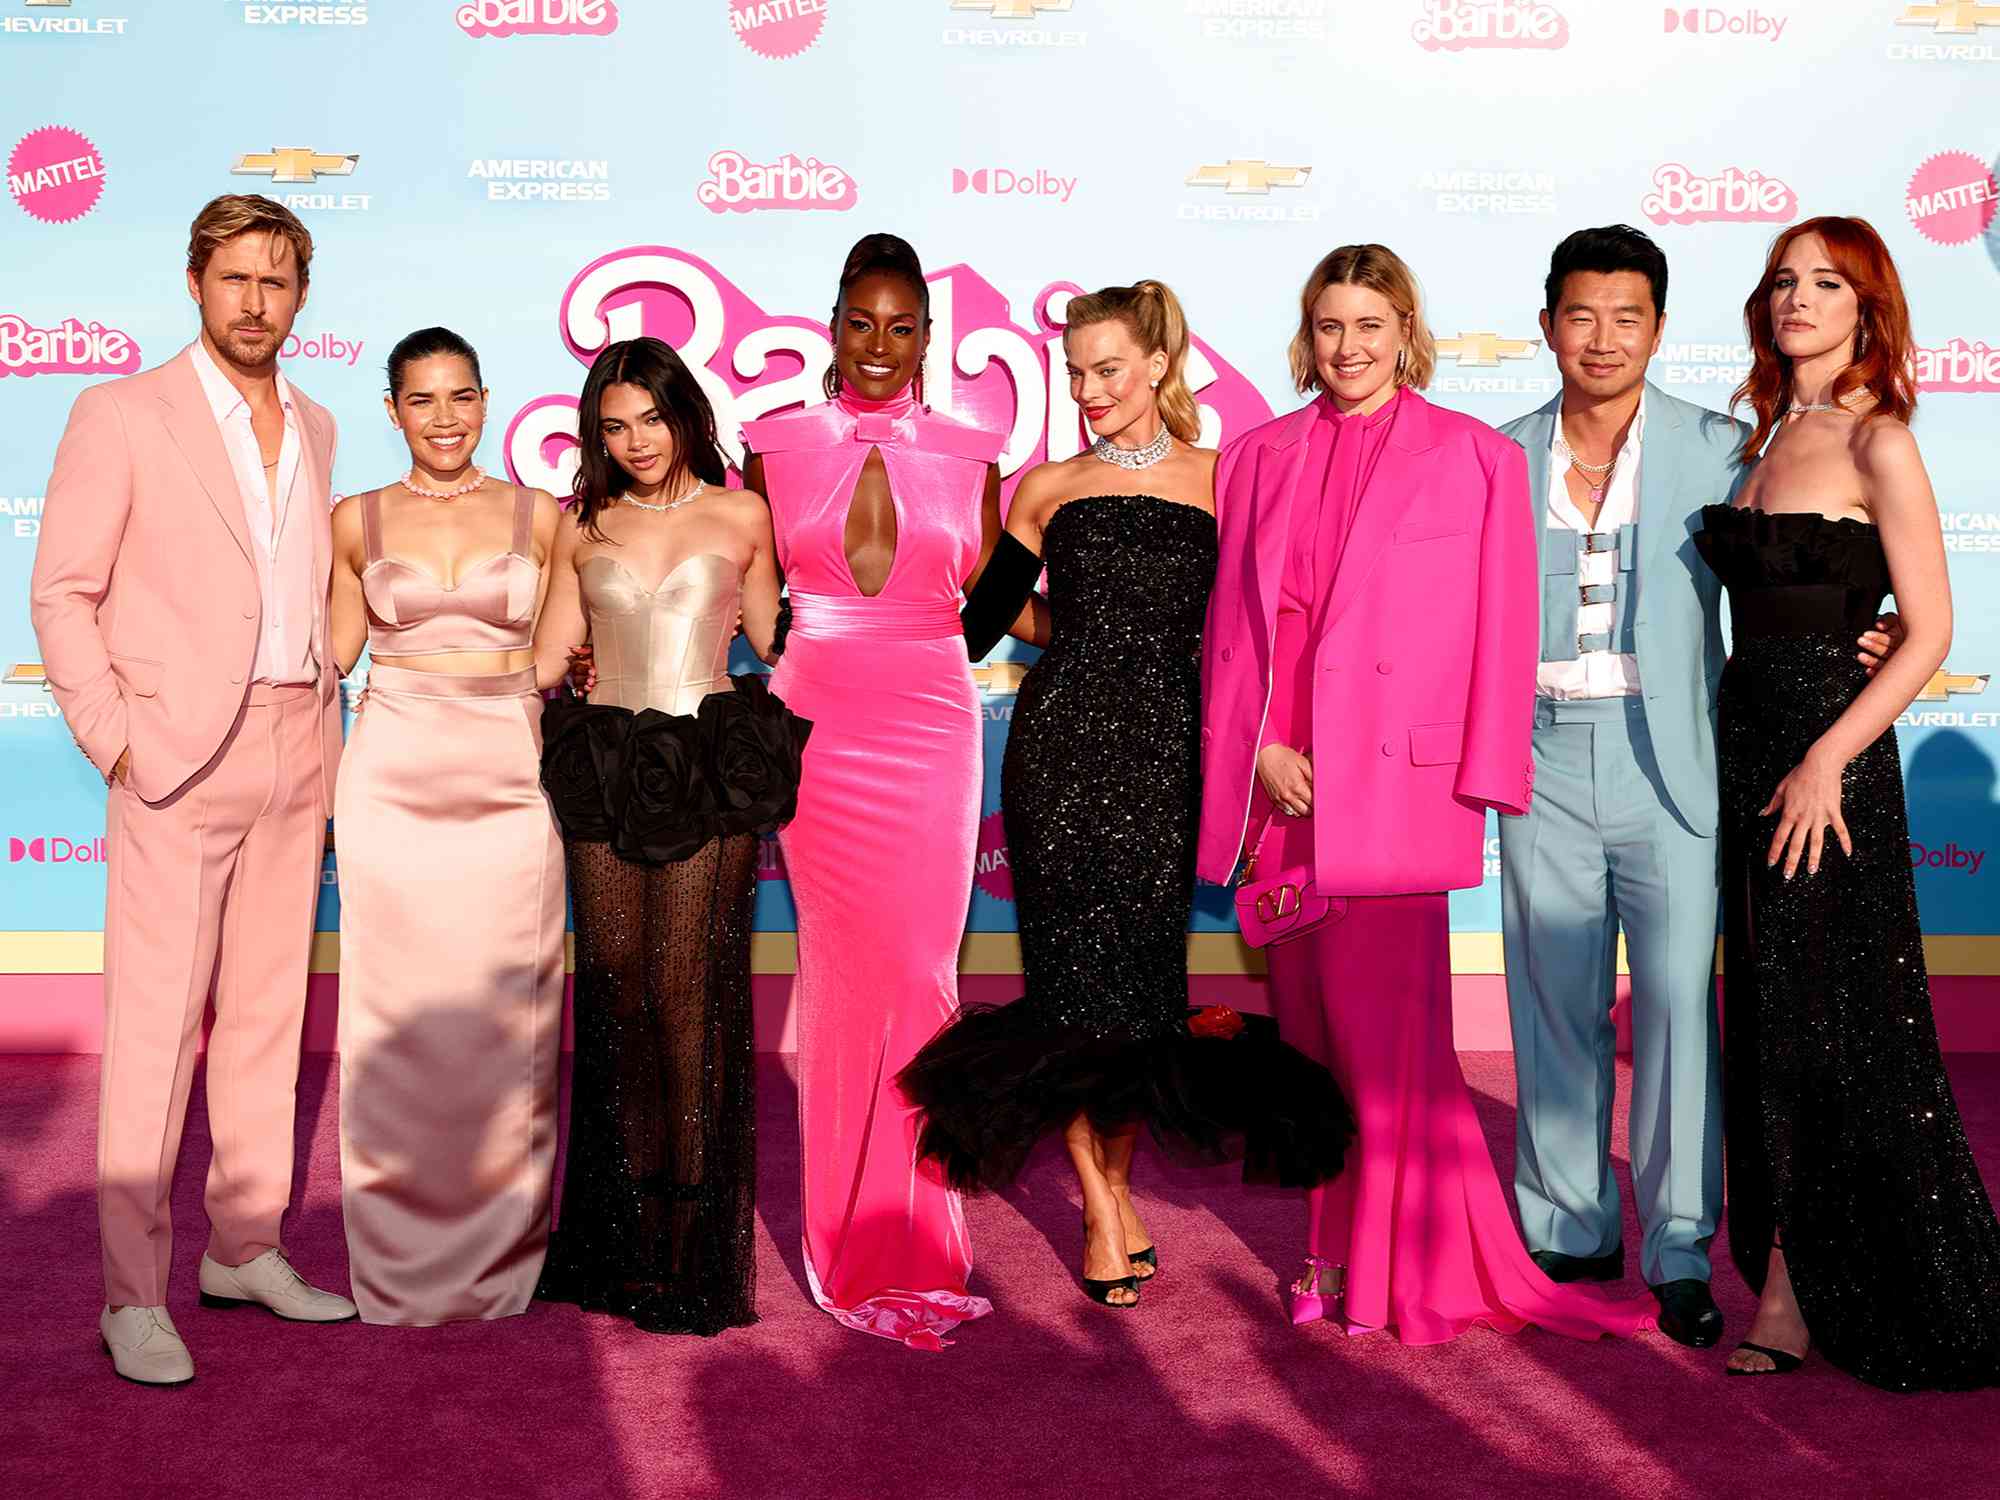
(1312, 1297)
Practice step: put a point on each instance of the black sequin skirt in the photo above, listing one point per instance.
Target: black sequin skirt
(1841, 1133)
(658, 786)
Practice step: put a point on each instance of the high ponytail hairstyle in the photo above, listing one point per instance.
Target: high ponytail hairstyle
(1152, 314)
(892, 255)
(1881, 362)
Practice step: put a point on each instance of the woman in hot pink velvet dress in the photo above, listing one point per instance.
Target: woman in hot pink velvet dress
(1367, 686)
(883, 513)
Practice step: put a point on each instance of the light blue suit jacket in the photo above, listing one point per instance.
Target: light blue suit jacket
(1687, 459)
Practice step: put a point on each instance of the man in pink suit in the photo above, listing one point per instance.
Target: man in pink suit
(179, 598)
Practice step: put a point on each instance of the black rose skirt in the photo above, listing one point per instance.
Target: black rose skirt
(658, 786)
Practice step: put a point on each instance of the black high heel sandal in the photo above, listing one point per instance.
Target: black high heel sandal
(1781, 1362)
(1100, 1291)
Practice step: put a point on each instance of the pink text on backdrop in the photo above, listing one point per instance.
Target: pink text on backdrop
(982, 368)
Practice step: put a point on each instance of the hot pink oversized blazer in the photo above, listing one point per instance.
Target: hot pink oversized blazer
(145, 598)
(1424, 677)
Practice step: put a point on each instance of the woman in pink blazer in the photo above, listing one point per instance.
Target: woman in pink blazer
(1372, 634)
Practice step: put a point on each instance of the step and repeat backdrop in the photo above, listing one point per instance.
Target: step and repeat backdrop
(547, 175)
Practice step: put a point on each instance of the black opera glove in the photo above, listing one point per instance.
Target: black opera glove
(995, 601)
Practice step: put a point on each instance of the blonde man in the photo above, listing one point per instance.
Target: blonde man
(179, 598)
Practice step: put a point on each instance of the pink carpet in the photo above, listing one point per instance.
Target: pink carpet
(1204, 1391)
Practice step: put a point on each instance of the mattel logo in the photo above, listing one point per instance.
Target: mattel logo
(738, 185)
(56, 850)
(1454, 25)
(483, 18)
(1731, 196)
(1750, 25)
(69, 348)
(1005, 182)
(1925, 857)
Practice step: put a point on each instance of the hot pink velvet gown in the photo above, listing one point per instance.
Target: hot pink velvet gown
(880, 855)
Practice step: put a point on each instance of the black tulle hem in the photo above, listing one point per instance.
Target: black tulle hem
(999, 1077)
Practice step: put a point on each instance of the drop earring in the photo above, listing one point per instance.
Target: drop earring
(1860, 340)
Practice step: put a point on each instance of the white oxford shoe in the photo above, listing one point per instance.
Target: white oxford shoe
(269, 1281)
(144, 1346)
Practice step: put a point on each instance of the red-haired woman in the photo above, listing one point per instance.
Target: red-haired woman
(1855, 1208)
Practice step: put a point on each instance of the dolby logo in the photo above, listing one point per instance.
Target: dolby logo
(54, 849)
(1010, 182)
(1486, 350)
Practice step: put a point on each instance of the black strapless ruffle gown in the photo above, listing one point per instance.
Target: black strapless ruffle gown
(1100, 792)
(1842, 1138)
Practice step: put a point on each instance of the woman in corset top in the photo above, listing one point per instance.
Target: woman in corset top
(451, 954)
(662, 784)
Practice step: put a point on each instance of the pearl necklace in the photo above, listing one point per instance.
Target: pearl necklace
(1143, 457)
(668, 504)
(409, 482)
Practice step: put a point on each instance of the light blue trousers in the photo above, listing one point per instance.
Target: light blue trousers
(1600, 847)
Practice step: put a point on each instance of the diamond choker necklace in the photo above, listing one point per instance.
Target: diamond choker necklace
(1134, 458)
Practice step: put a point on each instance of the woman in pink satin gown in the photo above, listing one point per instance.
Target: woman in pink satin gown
(451, 873)
(1367, 682)
(883, 513)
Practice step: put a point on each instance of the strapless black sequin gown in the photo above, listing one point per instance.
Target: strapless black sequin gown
(1842, 1137)
(1100, 792)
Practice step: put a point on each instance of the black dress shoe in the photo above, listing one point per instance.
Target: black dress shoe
(1559, 1267)
(1688, 1314)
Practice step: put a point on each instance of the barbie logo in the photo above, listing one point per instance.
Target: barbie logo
(991, 871)
(741, 186)
(1730, 196)
(1454, 25)
(1959, 368)
(538, 17)
(982, 368)
(770, 859)
(69, 348)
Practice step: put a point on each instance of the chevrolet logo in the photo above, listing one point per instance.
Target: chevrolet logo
(1002, 679)
(1957, 18)
(1011, 10)
(46, 2)
(26, 674)
(294, 164)
(1948, 684)
(1235, 176)
(1487, 349)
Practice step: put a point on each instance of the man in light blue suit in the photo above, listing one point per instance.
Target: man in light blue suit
(1621, 831)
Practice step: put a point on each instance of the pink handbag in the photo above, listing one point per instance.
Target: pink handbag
(1286, 906)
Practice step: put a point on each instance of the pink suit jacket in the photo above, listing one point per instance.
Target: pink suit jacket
(145, 598)
(1424, 675)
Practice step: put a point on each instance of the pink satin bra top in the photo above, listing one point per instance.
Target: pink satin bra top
(666, 647)
(490, 608)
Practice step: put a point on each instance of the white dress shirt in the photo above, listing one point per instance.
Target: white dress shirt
(280, 532)
(1593, 674)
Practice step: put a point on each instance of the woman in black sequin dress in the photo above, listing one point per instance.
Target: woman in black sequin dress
(1855, 1207)
(1099, 793)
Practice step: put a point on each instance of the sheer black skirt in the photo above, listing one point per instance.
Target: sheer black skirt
(660, 1172)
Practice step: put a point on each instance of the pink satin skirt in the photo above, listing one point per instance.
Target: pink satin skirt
(880, 859)
(451, 987)
(1419, 1218)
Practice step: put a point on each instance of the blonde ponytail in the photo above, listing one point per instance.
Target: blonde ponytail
(1152, 314)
